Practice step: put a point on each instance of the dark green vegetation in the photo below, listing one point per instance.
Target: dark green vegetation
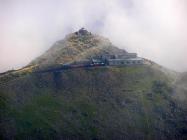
(95, 103)
(98, 103)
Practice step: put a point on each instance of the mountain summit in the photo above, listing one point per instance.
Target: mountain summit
(77, 46)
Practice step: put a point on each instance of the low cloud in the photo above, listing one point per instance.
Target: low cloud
(155, 29)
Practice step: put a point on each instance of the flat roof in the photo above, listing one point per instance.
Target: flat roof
(137, 58)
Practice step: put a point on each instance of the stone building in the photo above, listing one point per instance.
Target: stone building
(129, 61)
(123, 59)
(127, 55)
(82, 32)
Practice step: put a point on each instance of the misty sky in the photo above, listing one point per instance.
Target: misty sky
(155, 29)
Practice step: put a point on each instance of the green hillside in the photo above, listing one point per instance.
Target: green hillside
(94, 103)
(135, 102)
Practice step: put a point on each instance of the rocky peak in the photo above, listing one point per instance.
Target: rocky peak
(82, 32)
(77, 46)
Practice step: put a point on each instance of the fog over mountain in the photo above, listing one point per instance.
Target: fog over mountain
(155, 29)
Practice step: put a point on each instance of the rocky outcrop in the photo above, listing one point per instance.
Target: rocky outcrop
(77, 46)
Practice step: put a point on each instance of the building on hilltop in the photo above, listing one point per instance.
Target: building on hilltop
(127, 55)
(82, 32)
(119, 58)
(122, 59)
(129, 61)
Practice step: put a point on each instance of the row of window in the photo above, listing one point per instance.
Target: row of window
(125, 62)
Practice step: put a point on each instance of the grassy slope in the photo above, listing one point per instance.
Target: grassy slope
(181, 89)
(96, 103)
